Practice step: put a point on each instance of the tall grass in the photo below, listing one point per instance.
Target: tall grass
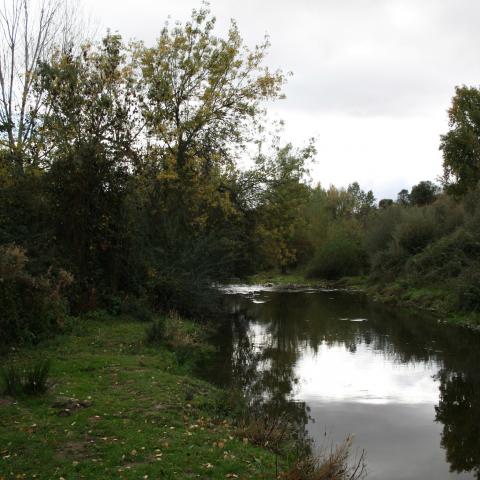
(29, 380)
(338, 464)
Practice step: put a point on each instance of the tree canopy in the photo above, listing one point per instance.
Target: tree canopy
(461, 144)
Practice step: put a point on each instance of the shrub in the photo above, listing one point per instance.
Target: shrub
(155, 332)
(447, 213)
(35, 379)
(338, 257)
(468, 289)
(12, 380)
(415, 232)
(338, 464)
(30, 306)
(30, 380)
(386, 264)
(444, 258)
(381, 227)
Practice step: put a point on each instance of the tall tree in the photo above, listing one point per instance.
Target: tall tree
(280, 220)
(89, 133)
(403, 197)
(423, 193)
(203, 92)
(29, 32)
(461, 144)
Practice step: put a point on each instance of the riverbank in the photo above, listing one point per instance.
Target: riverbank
(118, 408)
(434, 300)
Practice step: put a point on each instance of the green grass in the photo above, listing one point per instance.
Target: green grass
(137, 422)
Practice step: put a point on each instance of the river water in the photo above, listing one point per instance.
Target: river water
(407, 387)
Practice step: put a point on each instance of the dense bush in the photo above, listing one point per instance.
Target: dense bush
(415, 231)
(468, 289)
(380, 228)
(444, 258)
(337, 257)
(30, 306)
(447, 213)
(155, 332)
(387, 264)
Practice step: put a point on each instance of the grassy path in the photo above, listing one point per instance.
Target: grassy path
(141, 415)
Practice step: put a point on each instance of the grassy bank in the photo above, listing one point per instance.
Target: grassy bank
(138, 413)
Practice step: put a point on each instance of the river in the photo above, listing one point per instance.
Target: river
(407, 386)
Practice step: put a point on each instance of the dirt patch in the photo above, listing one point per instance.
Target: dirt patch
(75, 450)
(66, 405)
(6, 402)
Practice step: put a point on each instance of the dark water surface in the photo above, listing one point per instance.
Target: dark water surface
(406, 386)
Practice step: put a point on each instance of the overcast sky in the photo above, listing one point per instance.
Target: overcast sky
(372, 79)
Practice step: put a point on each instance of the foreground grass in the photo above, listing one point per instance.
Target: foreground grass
(141, 416)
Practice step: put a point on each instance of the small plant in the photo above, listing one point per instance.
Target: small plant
(12, 380)
(155, 332)
(338, 464)
(32, 380)
(36, 378)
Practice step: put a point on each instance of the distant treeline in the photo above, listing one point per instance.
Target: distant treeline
(120, 184)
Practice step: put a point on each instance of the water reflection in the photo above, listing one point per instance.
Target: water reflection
(408, 388)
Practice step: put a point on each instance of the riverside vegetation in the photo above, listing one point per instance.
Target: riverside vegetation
(121, 192)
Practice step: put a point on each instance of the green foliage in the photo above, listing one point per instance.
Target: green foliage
(12, 380)
(136, 307)
(461, 144)
(468, 289)
(415, 232)
(445, 258)
(423, 193)
(155, 332)
(403, 197)
(387, 264)
(336, 220)
(131, 180)
(36, 377)
(381, 227)
(363, 202)
(26, 380)
(339, 256)
(30, 306)
(428, 249)
(279, 233)
(385, 203)
(87, 138)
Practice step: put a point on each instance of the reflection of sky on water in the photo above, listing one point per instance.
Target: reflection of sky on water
(387, 404)
(401, 440)
(336, 374)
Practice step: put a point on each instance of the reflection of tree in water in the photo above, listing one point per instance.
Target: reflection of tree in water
(291, 323)
(266, 378)
(459, 412)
